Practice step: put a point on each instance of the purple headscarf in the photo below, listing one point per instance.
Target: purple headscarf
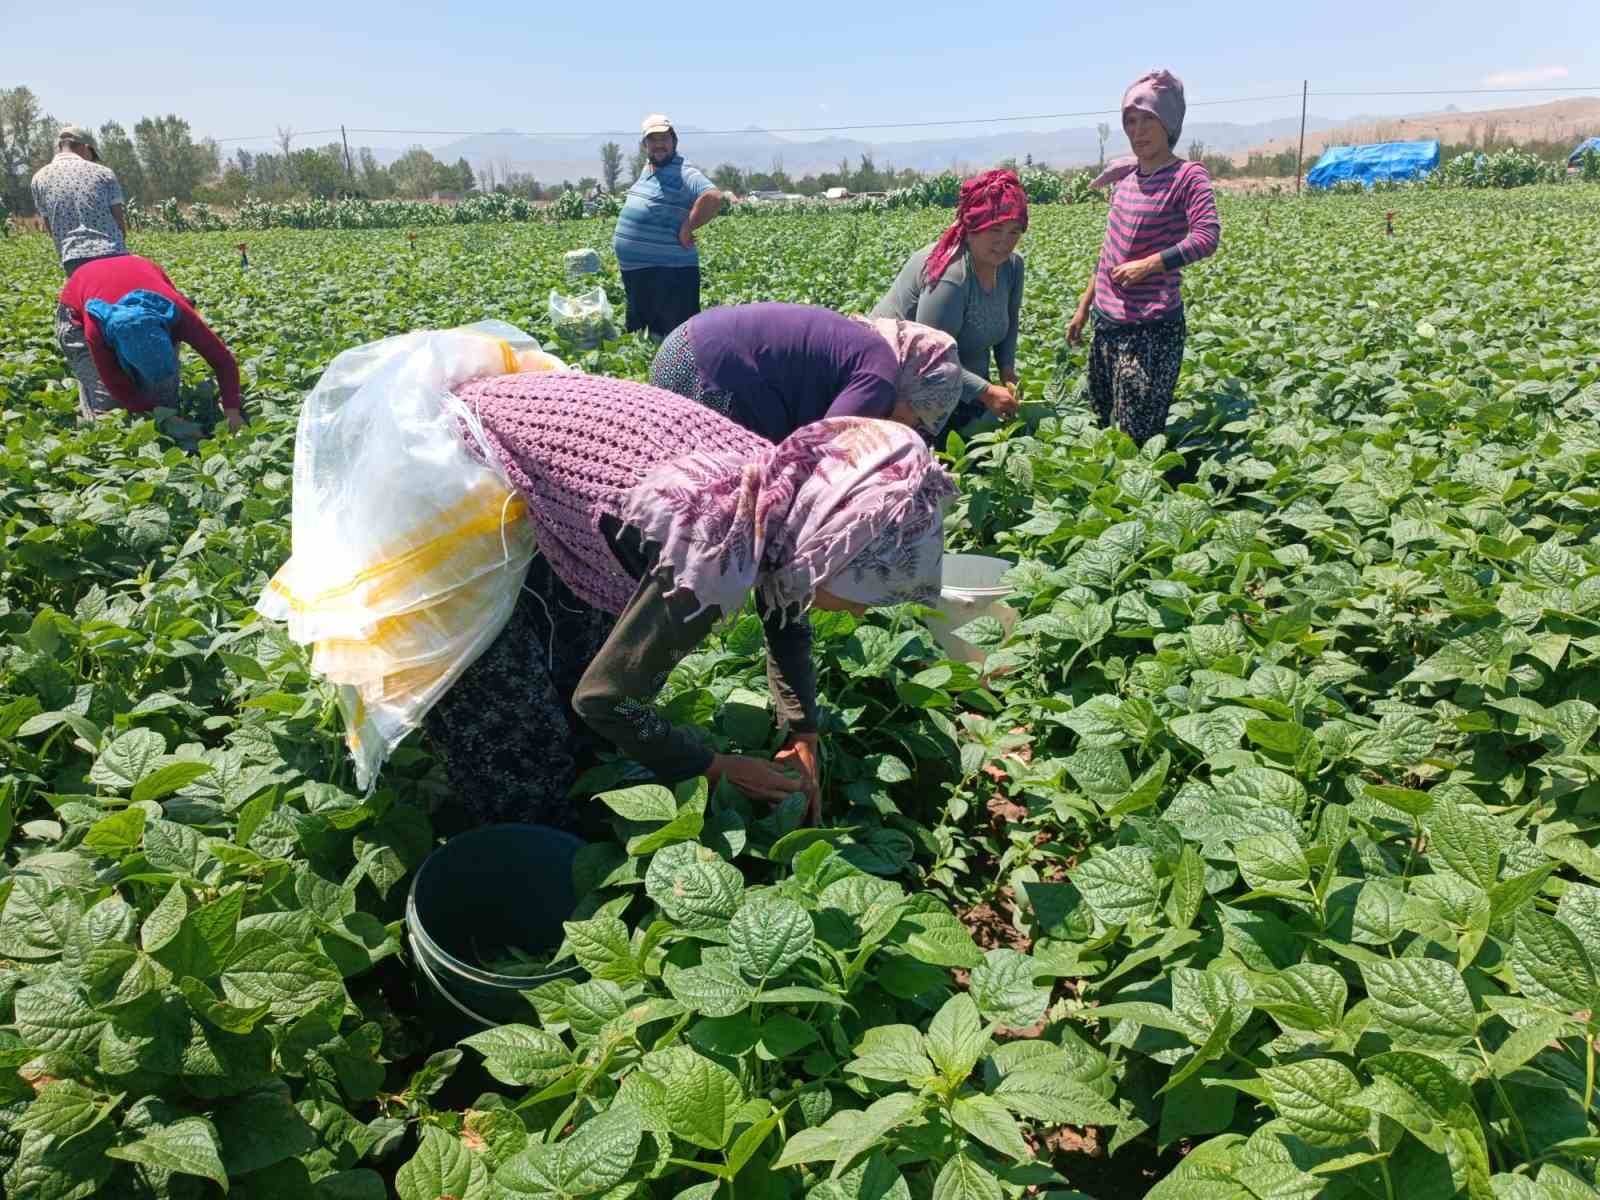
(928, 376)
(850, 504)
(1159, 93)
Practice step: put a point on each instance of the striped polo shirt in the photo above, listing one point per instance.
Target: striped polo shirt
(658, 203)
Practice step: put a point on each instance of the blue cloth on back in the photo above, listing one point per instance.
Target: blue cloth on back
(138, 328)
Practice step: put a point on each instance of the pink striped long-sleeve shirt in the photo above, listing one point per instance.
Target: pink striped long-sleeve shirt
(1170, 212)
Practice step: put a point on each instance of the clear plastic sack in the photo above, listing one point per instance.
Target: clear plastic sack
(408, 549)
(579, 263)
(583, 320)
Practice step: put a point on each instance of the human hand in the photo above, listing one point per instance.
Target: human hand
(235, 419)
(1001, 401)
(799, 753)
(755, 777)
(1129, 273)
(1075, 326)
(686, 236)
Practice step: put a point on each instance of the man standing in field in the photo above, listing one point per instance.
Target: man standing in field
(654, 242)
(80, 201)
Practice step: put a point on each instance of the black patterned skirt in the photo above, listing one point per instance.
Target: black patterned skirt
(511, 745)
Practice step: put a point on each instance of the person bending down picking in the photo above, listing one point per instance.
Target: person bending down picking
(119, 320)
(969, 284)
(667, 514)
(1163, 217)
(774, 368)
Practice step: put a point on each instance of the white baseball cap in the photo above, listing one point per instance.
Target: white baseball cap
(656, 123)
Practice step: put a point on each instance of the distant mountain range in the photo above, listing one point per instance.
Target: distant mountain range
(551, 160)
(554, 159)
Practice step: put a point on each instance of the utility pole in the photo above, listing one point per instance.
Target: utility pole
(348, 172)
(1300, 155)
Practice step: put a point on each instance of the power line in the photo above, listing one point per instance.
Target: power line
(1058, 116)
(1465, 91)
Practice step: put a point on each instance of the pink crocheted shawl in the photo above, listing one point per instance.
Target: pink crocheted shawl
(849, 503)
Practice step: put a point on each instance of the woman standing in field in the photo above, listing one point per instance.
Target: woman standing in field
(1163, 217)
(773, 368)
(969, 284)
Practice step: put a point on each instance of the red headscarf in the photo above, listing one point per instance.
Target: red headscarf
(986, 200)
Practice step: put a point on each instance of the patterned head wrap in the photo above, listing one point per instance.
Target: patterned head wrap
(847, 503)
(986, 200)
(929, 376)
(1159, 93)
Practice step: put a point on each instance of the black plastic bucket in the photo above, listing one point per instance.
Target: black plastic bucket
(498, 885)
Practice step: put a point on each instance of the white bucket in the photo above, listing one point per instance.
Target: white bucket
(970, 588)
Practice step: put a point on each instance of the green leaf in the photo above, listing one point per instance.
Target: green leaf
(1420, 1002)
(893, 1054)
(1050, 1095)
(1304, 996)
(694, 887)
(1272, 858)
(443, 1166)
(163, 781)
(261, 1128)
(117, 834)
(266, 968)
(165, 919)
(55, 1016)
(986, 1119)
(595, 1159)
(128, 758)
(521, 1055)
(1119, 884)
(769, 936)
(1316, 1098)
(65, 1109)
(702, 1096)
(1188, 889)
(1467, 837)
(602, 948)
(962, 1178)
(711, 988)
(1004, 989)
(940, 940)
(188, 1146)
(1550, 963)
(870, 1125)
(645, 802)
(956, 1039)
(873, 1178)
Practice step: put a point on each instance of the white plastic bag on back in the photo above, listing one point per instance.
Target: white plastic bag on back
(408, 551)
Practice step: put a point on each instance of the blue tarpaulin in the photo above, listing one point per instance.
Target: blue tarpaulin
(1368, 164)
(1576, 157)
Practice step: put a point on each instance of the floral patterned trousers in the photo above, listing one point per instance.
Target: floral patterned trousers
(1133, 370)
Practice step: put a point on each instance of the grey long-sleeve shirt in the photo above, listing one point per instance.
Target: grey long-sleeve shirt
(984, 323)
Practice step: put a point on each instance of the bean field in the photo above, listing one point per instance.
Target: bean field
(1261, 861)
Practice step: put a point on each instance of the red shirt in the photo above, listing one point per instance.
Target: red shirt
(110, 279)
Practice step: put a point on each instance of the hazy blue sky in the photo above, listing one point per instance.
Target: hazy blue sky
(241, 69)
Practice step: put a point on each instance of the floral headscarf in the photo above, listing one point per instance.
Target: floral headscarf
(986, 200)
(929, 375)
(1159, 93)
(851, 504)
